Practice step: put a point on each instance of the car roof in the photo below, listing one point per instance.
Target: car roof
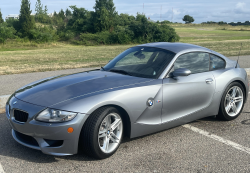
(175, 47)
(179, 47)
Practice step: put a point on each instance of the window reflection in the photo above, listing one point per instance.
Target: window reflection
(216, 62)
(196, 62)
(141, 62)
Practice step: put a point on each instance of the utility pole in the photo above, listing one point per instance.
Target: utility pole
(143, 9)
(161, 10)
(172, 14)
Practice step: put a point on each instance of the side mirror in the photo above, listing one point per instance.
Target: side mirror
(181, 72)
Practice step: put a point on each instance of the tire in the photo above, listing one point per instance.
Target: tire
(231, 105)
(102, 133)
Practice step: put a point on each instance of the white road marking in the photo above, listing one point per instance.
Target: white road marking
(1, 169)
(218, 138)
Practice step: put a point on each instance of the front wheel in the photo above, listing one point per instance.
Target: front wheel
(232, 102)
(102, 133)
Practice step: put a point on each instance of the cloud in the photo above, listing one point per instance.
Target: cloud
(241, 8)
(240, 5)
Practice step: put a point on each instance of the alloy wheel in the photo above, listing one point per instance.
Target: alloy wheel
(233, 101)
(110, 133)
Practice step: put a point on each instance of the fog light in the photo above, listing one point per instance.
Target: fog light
(70, 130)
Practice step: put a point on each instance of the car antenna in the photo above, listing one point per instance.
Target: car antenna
(238, 56)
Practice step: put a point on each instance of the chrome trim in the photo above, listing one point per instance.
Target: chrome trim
(7, 108)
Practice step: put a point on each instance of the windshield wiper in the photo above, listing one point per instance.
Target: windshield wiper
(120, 71)
(103, 68)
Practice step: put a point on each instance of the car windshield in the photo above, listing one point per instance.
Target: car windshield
(144, 62)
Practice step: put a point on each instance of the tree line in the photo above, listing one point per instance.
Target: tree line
(225, 23)
(79, 26)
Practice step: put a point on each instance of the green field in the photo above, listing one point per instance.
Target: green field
(19, 57)
(223, 39)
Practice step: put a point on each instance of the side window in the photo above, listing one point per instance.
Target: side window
(196, 62)
(216, 62)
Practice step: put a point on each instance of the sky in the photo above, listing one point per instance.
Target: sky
(172, 10)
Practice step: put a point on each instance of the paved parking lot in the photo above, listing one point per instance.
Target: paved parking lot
(213, 146)
(176, 150)
(10, 83)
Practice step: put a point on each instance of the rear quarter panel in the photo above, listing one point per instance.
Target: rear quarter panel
(225, 77)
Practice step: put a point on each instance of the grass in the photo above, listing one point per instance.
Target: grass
(212, 33)
(62, 57)
(224, 39)
(16, 45)
(23, 57)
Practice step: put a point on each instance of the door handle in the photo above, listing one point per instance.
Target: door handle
(209, 81)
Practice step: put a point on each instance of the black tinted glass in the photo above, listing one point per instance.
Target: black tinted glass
(141, 62)
(196, 62)
(216, 62)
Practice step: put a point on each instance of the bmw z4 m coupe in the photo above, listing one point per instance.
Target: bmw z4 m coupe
(146, 89)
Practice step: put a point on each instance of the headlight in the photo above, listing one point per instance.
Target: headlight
(52, 115)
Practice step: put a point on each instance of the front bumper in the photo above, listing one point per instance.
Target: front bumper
(50, 138)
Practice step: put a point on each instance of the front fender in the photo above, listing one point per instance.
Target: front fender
(132, 100)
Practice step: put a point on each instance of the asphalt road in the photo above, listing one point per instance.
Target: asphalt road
(175, 150)
(244, 61)
(10, 83)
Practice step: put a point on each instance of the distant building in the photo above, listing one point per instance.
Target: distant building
(150, 20)
(12, 16)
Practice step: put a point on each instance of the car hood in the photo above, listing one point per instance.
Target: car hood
(50, 91)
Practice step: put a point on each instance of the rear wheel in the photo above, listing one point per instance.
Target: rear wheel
(102, 133)
(232, 102)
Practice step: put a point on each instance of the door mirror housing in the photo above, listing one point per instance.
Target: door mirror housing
(180, 72)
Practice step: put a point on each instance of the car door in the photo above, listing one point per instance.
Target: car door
(184, 96)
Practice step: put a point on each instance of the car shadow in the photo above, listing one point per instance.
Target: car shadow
(10, 148)
(207, 119)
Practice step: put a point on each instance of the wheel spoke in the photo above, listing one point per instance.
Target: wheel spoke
(106, 144)
(234, 92)
(108, 121)
(115, 124)
(228, 108)
(114, 138)
(238, 99)
(228, 97)
(102, 134)
(234, 108)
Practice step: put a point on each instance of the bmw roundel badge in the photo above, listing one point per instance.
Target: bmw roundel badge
(150, 102)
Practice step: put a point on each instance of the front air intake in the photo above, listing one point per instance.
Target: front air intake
(21, 116)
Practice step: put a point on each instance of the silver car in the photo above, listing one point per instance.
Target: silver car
(146, 89)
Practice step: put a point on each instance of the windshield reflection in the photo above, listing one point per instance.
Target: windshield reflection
(138, 61)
